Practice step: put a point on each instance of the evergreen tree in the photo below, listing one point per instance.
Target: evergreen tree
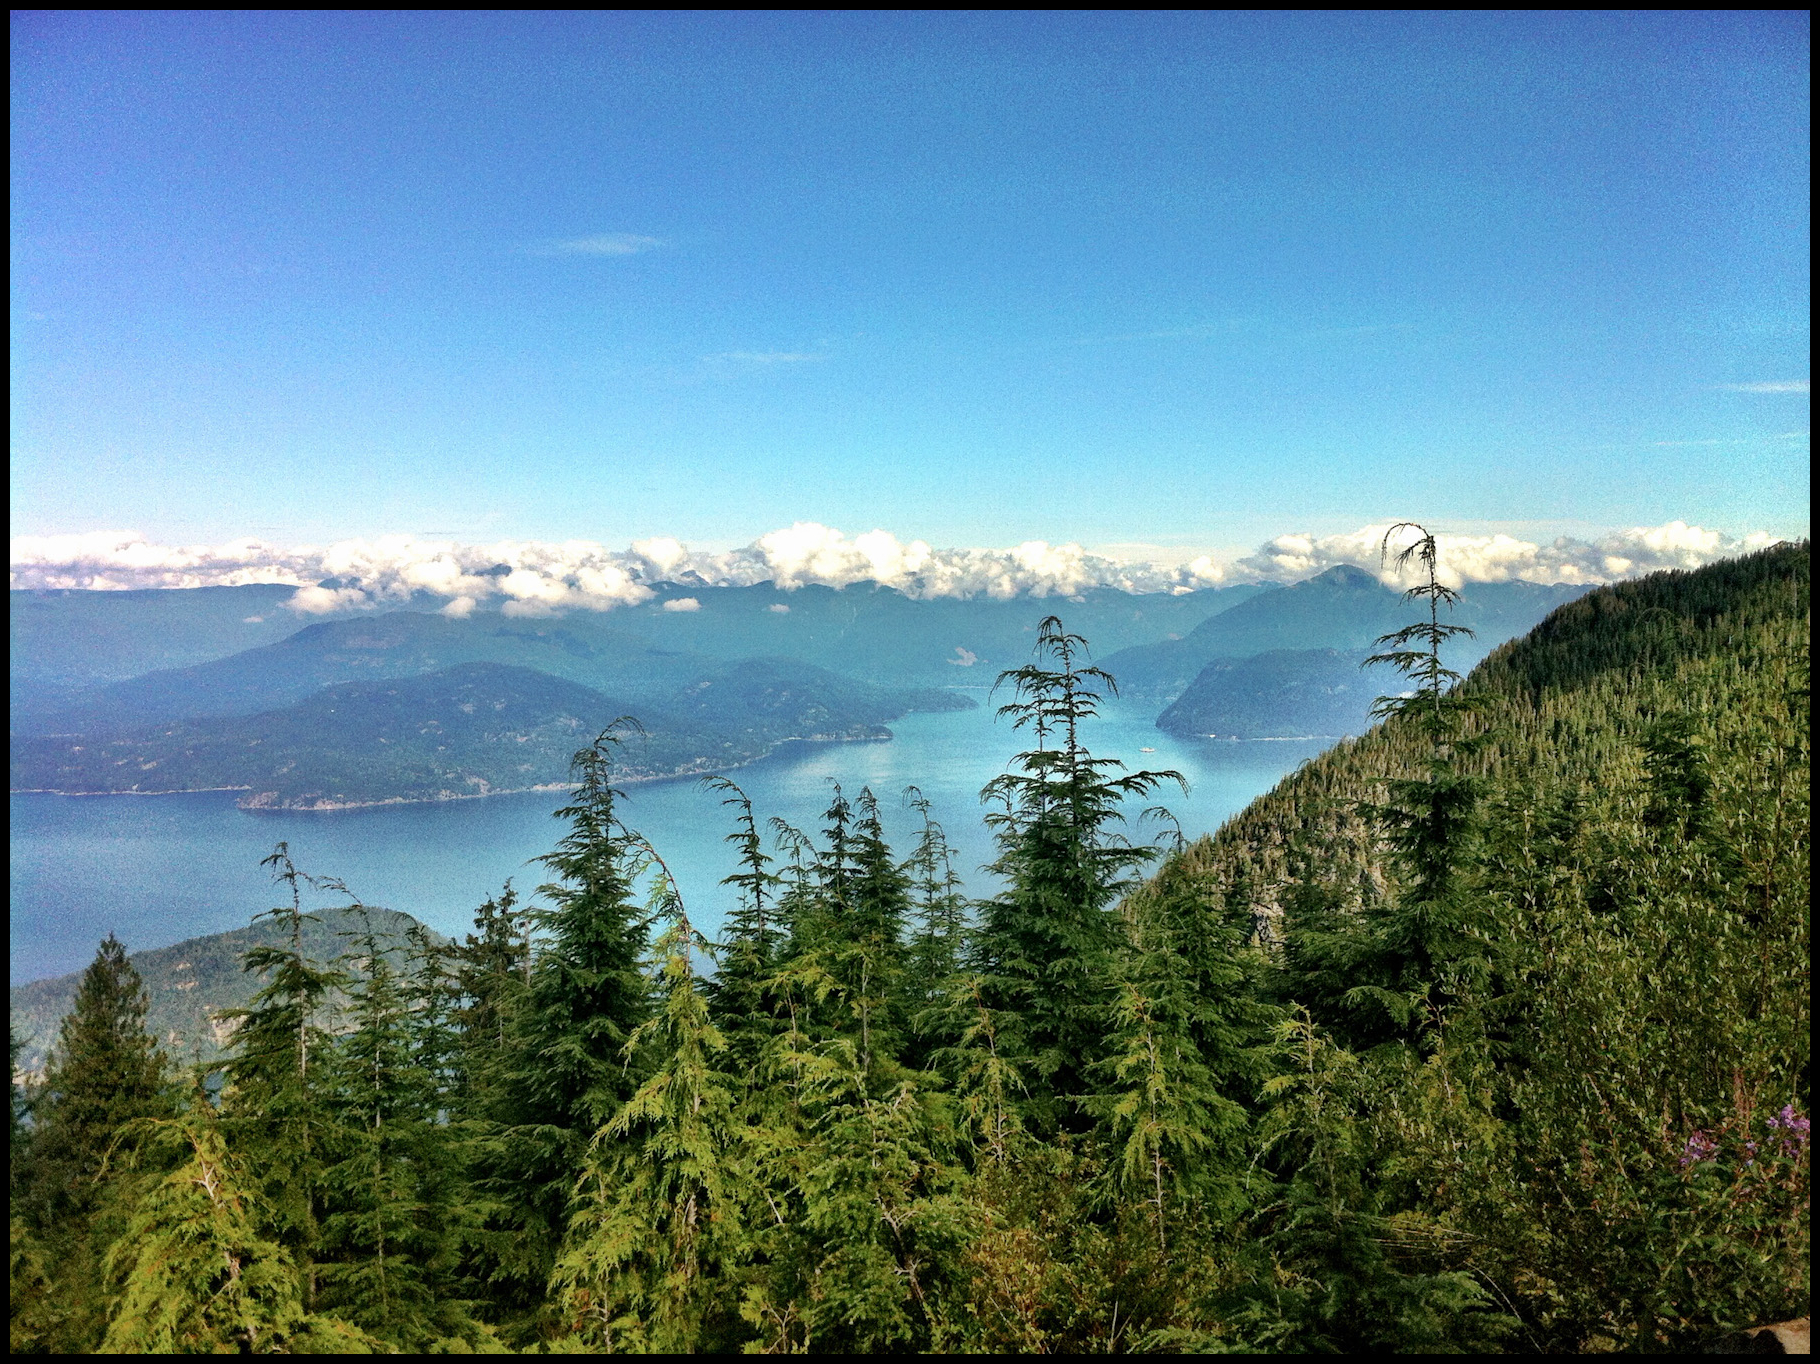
(737, 995)
(1428, 946)
(845, 952)
(490, 984)
(1045, 946)
(566, 1072)
(384, 1239)
(939, 943)
(587, 994)
(1187, 1033)
(656, 1239)
(276, 1101)
(105, 1073)
(864, 1248)
(195, 1273)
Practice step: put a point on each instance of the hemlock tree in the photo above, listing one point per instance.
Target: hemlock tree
(387, 1243)
(587, 993)
(656, 1239)
(1044, 947)
(195, 1274)
(275, 1104)
(1429, 944)
(737, 996)
(565, 1072)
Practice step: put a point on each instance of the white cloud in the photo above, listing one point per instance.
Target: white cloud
(1782, 386)
(322, 601)
(1503, 558)
(600, 244)
(531, 578)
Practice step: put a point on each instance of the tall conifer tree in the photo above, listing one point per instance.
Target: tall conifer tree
(1045, 946)
(567, 1074)
(656, 1238)
(276, 1103)
(105, 1074)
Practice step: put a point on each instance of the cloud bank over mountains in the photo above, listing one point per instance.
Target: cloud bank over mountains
(540, 578)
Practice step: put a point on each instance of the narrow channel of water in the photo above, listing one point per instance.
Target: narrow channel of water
(157, 869)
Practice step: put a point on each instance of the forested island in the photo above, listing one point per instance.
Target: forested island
(1485, 1031)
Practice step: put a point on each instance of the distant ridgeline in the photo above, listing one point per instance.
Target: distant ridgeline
(221, 688)
(1568, 709)
(188, 983)
(471, 730)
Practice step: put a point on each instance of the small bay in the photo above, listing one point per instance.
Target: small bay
(155, 870)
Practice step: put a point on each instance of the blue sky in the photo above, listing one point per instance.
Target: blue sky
(1161, 280)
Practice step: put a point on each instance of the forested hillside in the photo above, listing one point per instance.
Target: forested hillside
(471, 730)
(1488, 1031)
(189, 984)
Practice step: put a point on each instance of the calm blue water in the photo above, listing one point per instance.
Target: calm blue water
(157, 869)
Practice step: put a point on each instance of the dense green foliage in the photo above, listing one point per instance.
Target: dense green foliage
(1487, 1031)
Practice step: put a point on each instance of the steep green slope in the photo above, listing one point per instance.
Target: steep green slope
(1546, 977)
(188, 983)
(1568, 706)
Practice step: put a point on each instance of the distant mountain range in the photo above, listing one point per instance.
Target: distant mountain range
(71, 641)
(1343, 610)
(216, 688)
(470, 730)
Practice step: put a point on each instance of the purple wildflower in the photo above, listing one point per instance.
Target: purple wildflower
(1700, 1147)
(1792, 1129)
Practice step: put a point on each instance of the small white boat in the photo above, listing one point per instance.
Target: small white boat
(1146, 750)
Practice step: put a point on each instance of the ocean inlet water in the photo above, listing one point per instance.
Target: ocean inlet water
(155, 870)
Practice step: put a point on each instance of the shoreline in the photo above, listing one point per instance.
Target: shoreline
(449, 797)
